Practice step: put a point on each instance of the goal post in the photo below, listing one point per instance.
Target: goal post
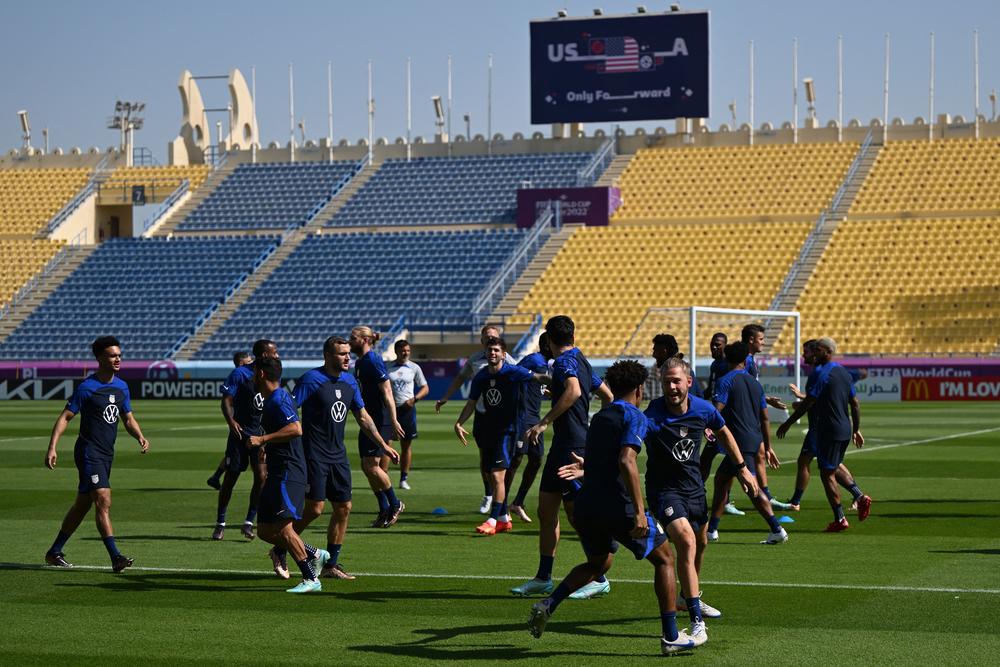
(693, 327)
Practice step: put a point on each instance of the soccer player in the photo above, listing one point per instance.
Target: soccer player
(530, 413)
(283, 495)
(664, 347)
(837, 414)
(473, 365)
(675, 492)
(241, 408)
(101, 400)
(719, 368)
(501, 386)
(408, 387)
(862, 503)
(609, 509)
(215, 481)
(752, 336)
(326, 394)
(573, 384)
(740, 399)
(376, 390)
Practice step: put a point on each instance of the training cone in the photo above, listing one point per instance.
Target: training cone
(784, 518)
(439, 511)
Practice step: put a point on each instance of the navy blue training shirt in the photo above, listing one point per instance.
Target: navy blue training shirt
(570, 429)
(833, 390)
(247, 401)
(752, 368)
(743, 398)
(283, 457)
(371, 372)
(325, 401)
(531, 397)
(501, 392)
(673, 443)
(718, 368)
(100, 407)
(616, 426)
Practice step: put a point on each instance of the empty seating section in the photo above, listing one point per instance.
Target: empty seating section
(159, 182)
(793, 181)
(333, 282)
(906, 287)
(607, 277)
(269, 196)
(22, 258)
(148, 292)
(30, 197)
(954, 175)
(461, 190)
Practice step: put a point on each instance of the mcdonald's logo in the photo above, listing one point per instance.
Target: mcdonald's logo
(917, 389)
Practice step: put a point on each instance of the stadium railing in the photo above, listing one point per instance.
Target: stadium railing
(528, 338)
(602, 158)
(47, 270)
(166, 205)
(390, 335)
(96, 177)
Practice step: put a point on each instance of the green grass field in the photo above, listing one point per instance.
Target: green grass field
(919, 581)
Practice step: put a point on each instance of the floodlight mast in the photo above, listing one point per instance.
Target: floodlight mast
(127, 118)
(22, 116)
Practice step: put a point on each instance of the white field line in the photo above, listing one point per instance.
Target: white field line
(853, 450)
(474, 577)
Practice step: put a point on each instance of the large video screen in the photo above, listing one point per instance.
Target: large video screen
(619, 68)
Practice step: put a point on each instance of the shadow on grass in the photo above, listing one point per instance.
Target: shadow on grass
(181, 581)
(407, 595)
(984, 552)
(161, 537)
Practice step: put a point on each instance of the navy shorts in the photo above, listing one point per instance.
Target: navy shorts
(809, 445)
(328, 481)
(238, 455)
(369, 449)
(602, 535)
(669, 506)
(94, 471)
(830, 453)
(281, 499)
(551, 483)
(534, 451)
(496, 452)
(727, 466)
(407, 418)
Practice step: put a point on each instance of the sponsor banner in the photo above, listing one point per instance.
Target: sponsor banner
(588, 206)
(617, 68)
(981, 388)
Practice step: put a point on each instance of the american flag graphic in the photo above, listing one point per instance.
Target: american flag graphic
(622, 55)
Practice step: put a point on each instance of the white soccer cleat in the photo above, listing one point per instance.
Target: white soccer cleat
(732, 509)
(595, 589)
(699, 633)
(707, 610)
(539, 617)
(713, 536)
(404, 485)
(778, 505)
(518, 511)
(484, 507)
(776, 538)
(684, 642)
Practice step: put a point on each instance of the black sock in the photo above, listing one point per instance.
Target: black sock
(305, 566)
(57, 546)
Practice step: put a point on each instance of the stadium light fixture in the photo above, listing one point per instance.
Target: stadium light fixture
(598, 11)
(675, 7)
(641, 9)
(438, 115)
(732, 112)
(810, 95)
(22, 116)
(128, 117)
(993, 101)
(562, 13)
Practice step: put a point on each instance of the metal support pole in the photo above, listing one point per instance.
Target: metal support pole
(692, 345)
(329, 107)
(975, 66)
(930, 98)
(798, 347)
(253, 98)
(489, 107)
(371, 114)
(449, 106)
(291, 115)
(840, 87)
(885, 94)
(751, 91)
(409, 110)
(795, 90)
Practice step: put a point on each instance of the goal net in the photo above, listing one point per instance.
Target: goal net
(694, 326)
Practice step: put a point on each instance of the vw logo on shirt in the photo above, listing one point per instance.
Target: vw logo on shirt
(493, 397)
(338, 411)
(111, 414)
(683, 449)
(258, 401)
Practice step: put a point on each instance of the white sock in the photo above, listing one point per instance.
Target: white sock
(491, 521)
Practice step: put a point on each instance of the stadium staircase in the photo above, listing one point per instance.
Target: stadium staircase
(333, 207)
(45, 282)
(818, 240)
(613, 172)
(289, 243)
(508, 306)
(169, 226)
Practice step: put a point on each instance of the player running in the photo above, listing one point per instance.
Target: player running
(832, 397)
(283, 494)
(501, 386)
(675, 492)
(718, 368)
(573, 384)
(215, 481)
(530, 413)
(740, 399)
(609, 509)
(101, 400)
(408, 387)
(241, 408)
(376, 390)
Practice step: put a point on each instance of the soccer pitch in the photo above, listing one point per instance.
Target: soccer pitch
(918, 581)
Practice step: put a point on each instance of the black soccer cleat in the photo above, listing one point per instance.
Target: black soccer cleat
(393, 516)
(120, 562)
(57, 559)
(214, 483)
(380, 520)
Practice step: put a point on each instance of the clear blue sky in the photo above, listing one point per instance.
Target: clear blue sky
(67, 62)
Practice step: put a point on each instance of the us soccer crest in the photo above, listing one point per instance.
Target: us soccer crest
(337, 392)
(683, 431)
(111, 398)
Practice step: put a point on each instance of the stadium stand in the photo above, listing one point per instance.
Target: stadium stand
(159, 182)
(149, 292)
(333, 282)
(269, 196)
(478, 189)
(781, 181)
(960, 175)
(30, 197)
(30, 255)
(927, 287)
(607, 277)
